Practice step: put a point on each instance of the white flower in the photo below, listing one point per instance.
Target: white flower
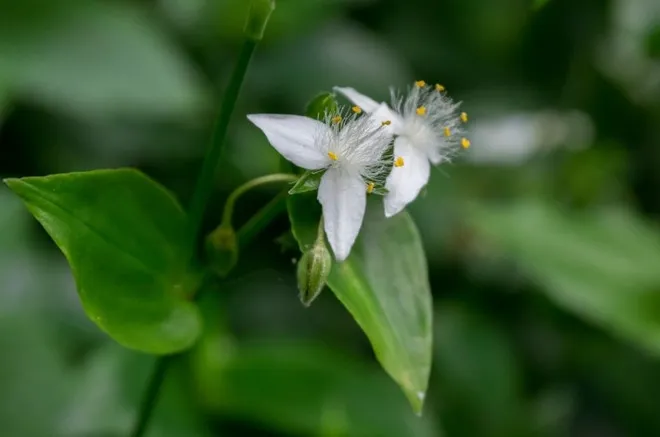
(350, 148)
(428, 128)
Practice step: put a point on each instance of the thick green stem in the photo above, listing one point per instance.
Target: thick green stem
(238, 192)
(265, 215)
(150, 398)
(257, 19)
(204, 185)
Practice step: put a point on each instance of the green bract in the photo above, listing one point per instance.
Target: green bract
(124, 237)
(384, 285)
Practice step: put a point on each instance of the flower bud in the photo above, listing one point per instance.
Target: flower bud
(322, 104)
(222, 250)
(313, 270)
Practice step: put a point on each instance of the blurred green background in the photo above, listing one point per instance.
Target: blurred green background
(542, 240)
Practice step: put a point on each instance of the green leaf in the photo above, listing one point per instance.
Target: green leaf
(601, 265)
(122, 64)
(478, 375)
(124, 237)
(384, 285)
(309, 181)
(30, 362)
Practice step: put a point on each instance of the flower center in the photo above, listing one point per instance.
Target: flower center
(398, 162)
(333, 156)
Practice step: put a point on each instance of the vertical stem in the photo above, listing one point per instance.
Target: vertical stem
(258, 16)
(204, 185)
(150, 397)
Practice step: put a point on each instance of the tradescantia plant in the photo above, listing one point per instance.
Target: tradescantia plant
(133, 249)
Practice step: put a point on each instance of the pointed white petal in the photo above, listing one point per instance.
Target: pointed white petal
(366, 103)
(404, 183)
(295, 137)
(343, 197)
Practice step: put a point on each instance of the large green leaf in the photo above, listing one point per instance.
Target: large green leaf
(384, 285)
(124, 238)
(602, 265)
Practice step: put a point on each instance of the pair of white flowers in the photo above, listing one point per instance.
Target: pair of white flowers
(426, 128)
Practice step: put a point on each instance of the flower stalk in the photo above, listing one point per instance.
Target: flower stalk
(258, 16)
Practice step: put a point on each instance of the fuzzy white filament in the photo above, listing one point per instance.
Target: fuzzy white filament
(350, 148)
(428, 129)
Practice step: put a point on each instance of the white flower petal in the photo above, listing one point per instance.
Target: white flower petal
(366, 103)
(404, 183)
(343, 197)
(295, 137)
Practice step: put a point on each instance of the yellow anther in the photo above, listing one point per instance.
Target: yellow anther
(398, 162)
(420, 84)
(447, 132)
(439, 88)
(333, 156)
(386, 123)
(464, 117)
(356, 109)
(370, 187)
(465, 143)
(336, 119)
(421, 110)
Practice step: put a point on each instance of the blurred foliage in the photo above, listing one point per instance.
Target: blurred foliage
(542, 241)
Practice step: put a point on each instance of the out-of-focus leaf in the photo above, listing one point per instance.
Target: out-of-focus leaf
(335, 55)
(538, 4)
(94, 57)
(305, 389)
(652, 42)
(107, 396)
(477, 375)
(601, 265)
(124, 237)
(384, 285)
(32, 376)
(294, 386)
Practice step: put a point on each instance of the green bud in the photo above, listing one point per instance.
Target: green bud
(324, 103)
(258, 17)
(222, 250)
(313, 270)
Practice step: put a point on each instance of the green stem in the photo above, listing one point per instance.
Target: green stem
(258, 16)
(204, 185)
(238, 192)
(150, 397)
(265, 215)
(320, 232)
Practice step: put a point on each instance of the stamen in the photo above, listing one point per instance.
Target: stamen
(421, 110)
(398, 162)
(420, 84)
(336, 119)
(447, 132)
(464, 117)
(465, 143)
(439, 88)
(357, 109)
(386, 123)
(333, 156)
(370, 187)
